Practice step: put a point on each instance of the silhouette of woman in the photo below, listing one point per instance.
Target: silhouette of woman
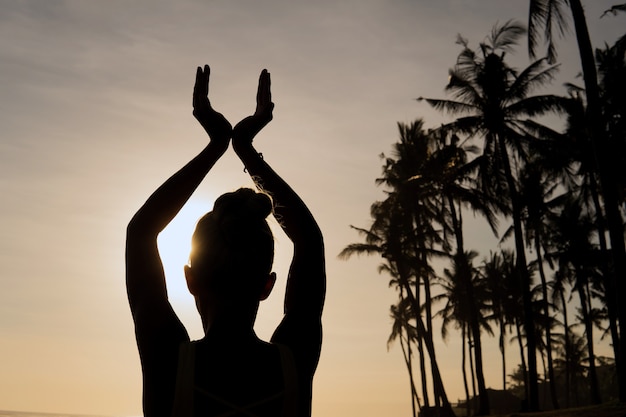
(229, 372)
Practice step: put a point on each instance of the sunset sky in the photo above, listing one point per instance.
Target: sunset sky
(95, 113)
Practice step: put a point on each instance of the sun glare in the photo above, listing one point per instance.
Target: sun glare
(174, 247)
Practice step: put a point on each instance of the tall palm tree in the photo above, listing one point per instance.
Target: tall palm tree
(448, 171)
(414, 207)
(548, 15)
(403, 234)
(498, 275)
(569, 363)
(558, 286)
(403, 331)
(572, 238)
(577, 150)
(612, 77)
(494, 103)
(463, 301)
(538, 185)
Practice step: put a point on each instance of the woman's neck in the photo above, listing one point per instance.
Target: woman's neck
(228, 318)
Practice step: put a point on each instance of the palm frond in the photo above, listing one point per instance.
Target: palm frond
(470, 125)
(504, 37)
(537, 130)
(546, 14)
(533, 76)
(538, 106)
(450, 106)
(358, 249)
(463, 88)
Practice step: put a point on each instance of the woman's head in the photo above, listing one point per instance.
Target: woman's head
(232, 248)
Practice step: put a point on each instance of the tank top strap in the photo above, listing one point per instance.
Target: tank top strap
(183, 395)
(290, 378)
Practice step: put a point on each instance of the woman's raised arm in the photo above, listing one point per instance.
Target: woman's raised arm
(145, 279)
(306, 285)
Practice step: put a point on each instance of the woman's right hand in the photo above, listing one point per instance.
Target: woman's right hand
(215, 124)
(245, 131)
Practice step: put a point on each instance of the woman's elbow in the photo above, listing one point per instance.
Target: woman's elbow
(138, 229)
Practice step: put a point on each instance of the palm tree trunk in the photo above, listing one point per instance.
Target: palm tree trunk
(422, 360)
(502, 346)
(546, 312)
(465, 274)
(567, 350)
(472, 372)
(605, 165)
(422, 357)
(428, 331)
(446, 408)
(406, 352)
(464, 367)
(522, 270)
(594, 392)
(520, 343)
(607, 277)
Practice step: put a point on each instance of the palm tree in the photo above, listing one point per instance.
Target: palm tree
(449, 174)
(403, 331)
(548, 15)
(577, 149)
(558, 286)
(497, 272)
(403, 234)
(494, 101)
(572, 238)
(612, 70)
(571, 356)
(463, 300)
(538, 184)
(414, 207)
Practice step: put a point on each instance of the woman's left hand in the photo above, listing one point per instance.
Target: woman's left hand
(247, 129)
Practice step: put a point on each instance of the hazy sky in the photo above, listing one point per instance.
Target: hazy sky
(95, 113)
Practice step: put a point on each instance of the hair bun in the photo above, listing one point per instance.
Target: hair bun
(244, 203)
(259, 205)
(234, 239)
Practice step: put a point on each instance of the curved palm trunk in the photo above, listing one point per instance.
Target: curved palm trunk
(518, 328)
(438, 388)
(546, 312)
(567, 350)
(465, 274)
(545, 372)
(422, 360)
(607, 278)
(594, 392)
(408, 361)
(503, 351)
(422, 357)
(463, 367)
(472, 372)
(522, 270)
(607, 180)
(446, 407)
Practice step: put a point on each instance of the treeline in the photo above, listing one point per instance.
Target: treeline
(561, 197)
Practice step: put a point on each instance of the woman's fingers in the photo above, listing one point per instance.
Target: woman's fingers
(264, 95)
(207, 74)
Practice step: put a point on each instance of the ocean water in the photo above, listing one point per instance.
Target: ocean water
(5, 413)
